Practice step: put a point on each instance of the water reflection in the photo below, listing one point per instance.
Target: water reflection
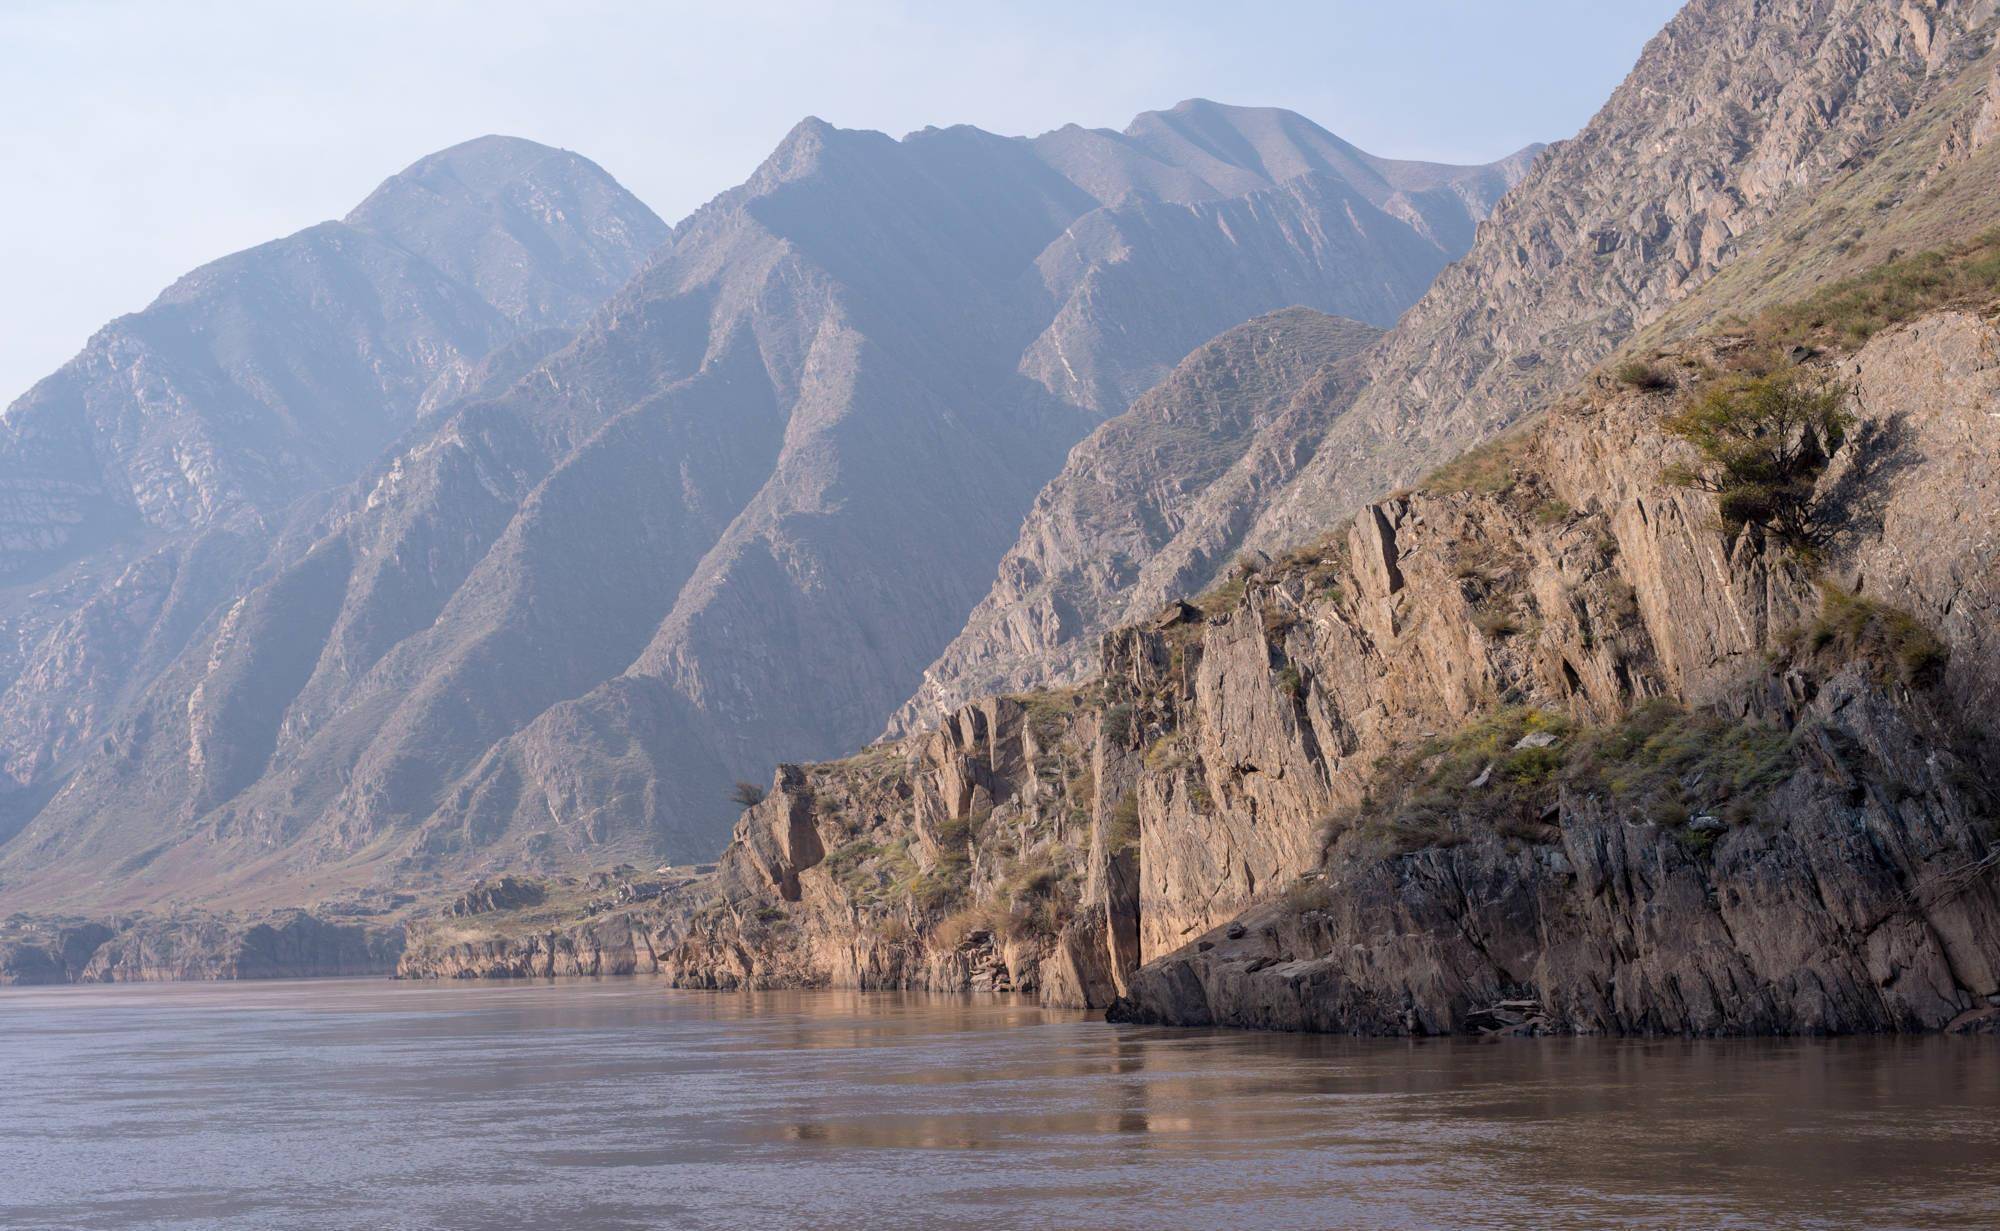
(625, 1104)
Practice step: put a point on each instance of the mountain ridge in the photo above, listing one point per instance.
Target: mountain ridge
(773, 463)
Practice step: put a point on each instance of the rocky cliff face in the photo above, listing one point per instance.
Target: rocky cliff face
(1582, 587)
(1735, 112)
(952, 860)
(550, 626)
(1536, 746)
(1736, 115)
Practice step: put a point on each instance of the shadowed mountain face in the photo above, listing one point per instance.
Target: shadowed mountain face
(1734, 112)
(729, 522)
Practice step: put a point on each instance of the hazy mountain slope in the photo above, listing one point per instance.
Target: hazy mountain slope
(542, 235)
(1734, 111)
(152, 473)
(287, 366)
(734, 518)
(1122, 495)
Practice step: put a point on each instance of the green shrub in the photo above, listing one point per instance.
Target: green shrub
(1852, 628)
(1638, 374)
(1763, 443)
(1552, 512)
(1047, 715)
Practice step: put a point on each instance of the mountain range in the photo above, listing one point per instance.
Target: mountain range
(496, 525)
(1570, 734)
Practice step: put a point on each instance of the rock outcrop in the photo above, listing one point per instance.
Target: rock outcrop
(949, 861)
(1858, 901)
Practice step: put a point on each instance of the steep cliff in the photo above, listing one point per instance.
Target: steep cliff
(1775, 140)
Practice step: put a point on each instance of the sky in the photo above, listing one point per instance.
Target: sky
(143, 139)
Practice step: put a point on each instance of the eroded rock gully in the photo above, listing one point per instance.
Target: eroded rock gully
(1194, 837)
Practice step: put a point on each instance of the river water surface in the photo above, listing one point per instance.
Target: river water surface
(589, 1106)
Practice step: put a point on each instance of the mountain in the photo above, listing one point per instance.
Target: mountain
(1563, 755)
(143, 482)
(288, 366)
(1555, 740)
(731, 518)
(1127, 491)
(1732, 113)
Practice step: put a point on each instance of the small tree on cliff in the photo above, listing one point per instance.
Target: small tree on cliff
(1763, 442)
(747, 794)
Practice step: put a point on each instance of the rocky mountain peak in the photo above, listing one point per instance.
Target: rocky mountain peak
(541, 233)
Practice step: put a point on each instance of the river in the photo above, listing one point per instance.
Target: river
(593, 1106)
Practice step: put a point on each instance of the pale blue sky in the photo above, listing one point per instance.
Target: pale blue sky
(143, 138)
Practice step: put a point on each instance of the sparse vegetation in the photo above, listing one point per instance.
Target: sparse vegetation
(1118, 724)
(1763, 442)
(1504, 773)
(1853, 310)
(1851, 628)
(1638, 374)
(746, 794)
(1492, 469)
(1048, 713)
(1670, 765)
(1121, 832)
(1495, 624)
(1221, 597)
(1553, 512)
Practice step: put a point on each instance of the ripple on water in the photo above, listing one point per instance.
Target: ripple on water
(598, 1106)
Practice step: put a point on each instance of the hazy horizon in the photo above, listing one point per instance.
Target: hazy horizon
(177, 137)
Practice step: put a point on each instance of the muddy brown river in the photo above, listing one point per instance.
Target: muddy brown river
(591, 1106)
